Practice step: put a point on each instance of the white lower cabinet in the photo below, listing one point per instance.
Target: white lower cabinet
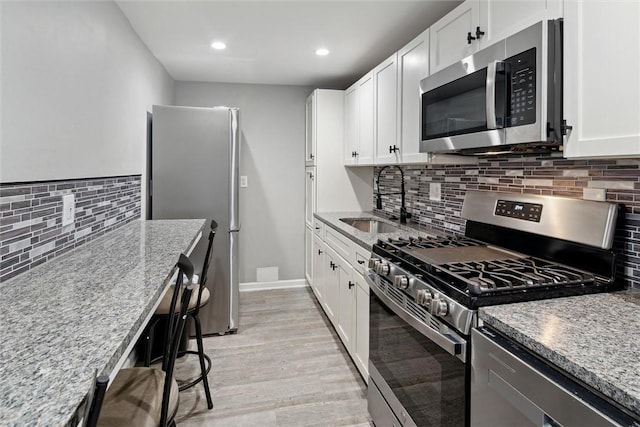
(308, 254)
(344, 295)
(360, 342)
(318, 269)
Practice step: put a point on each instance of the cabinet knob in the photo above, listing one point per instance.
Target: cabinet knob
(310, 175)
(479, 33)
(393, 149)
(351, 284)
(470, 37)
(311, 156)
(319, 251)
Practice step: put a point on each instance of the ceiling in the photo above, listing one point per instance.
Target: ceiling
(274, 42)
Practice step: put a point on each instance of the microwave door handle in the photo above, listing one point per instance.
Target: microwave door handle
(491, 95)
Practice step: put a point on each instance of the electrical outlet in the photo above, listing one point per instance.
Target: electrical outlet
(435, 191)
(68, 209)
(244, 181)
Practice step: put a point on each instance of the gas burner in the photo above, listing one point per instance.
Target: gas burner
(482, 277)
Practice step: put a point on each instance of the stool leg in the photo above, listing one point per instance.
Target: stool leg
(205, 380)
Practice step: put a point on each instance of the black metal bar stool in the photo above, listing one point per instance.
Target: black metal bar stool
(199, 298)
(146, 396)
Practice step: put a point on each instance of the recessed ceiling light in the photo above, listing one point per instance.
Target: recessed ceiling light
(218, 45)
(322, 51)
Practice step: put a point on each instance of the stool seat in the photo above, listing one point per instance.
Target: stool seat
(135, 398)
(164, 306)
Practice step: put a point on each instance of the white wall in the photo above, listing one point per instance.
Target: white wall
(76, 84)
(272, 124)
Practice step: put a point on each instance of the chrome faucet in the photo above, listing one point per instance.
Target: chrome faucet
(403, 210)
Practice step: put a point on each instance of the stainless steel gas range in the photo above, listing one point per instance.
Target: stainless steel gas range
(425, 294)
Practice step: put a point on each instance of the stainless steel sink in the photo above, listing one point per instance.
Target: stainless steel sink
(369, 225)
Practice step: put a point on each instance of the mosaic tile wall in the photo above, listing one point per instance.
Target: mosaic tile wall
(544, 175)
(31, 229)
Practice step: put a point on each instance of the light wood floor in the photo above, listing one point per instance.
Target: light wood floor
(284, 367)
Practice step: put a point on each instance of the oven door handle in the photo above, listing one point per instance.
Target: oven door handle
(448, 342)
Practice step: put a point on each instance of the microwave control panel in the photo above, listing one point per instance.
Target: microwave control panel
(525, 211)
(523, 88)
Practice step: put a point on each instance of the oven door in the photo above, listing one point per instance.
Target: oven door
(418, 370)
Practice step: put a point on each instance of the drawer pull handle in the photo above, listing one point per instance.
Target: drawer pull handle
(360, 261)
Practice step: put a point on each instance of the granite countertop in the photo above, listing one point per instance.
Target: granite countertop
(77, 313)
(595, 338)
(332, 219)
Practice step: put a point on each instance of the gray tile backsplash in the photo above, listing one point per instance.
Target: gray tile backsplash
(31, 230)
(535, 174)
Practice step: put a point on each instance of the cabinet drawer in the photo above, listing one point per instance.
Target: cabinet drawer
(318, 228)
(362, 257)
(340, 243)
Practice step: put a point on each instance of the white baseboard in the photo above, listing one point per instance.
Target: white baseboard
(278, 284)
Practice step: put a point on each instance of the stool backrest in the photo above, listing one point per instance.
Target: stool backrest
(175, 328)
(207, 257)
(94, 400)
(207, 260)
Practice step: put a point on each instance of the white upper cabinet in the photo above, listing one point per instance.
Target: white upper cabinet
(413, 66)
(359, 122)
(476, 24)
(450, 40)
(385, 78)
(366, 100)
(351, 125)
(602, 78)
(500, 18)
(310, 137)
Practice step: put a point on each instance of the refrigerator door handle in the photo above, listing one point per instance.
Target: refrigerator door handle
(234, 162)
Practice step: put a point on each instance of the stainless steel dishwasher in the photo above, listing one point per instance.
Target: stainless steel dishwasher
(511, 387)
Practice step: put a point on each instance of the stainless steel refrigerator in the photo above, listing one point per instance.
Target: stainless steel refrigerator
(194, 162)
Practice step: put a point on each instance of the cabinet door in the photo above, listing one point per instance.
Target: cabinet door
(500, 19)
(361, 336)
(413, 66)
(448, 36)
(310, 195)
(318, 269)
(331, 285)
(602, 78)
(346, 306)
(310, 137)
(366, 120)
(385, 77)
(308, 255)
(351, 118)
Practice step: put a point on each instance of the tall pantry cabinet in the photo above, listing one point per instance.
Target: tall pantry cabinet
(332, 187)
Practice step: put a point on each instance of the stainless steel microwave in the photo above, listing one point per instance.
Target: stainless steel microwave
(504, 98)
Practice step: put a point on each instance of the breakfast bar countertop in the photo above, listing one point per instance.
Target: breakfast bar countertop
(592, 337)
(78, 313)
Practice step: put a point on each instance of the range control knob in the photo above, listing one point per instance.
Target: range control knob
(439, 307)
(382, 268)
(401, 281)
(423, 298)
(373, 263)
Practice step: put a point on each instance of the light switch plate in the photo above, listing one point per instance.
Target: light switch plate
(68, 209)
(244, 181)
